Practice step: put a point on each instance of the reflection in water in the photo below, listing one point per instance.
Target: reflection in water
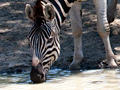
(62, 79)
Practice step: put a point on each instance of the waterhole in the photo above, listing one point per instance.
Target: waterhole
(57, 79)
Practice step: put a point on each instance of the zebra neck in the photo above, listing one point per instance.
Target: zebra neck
(62, 8)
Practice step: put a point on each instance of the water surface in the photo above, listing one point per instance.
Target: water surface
(65, 80)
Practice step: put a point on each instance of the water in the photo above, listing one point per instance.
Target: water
(65, 80)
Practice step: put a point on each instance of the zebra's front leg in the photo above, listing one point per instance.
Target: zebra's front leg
(76, 24)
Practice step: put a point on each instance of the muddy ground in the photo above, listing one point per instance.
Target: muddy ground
(15, 53)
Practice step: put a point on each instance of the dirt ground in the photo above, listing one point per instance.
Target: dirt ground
(15, 53)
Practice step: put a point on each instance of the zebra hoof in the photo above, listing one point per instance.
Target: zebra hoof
(74, 66)
(113, 66)
(104, 64)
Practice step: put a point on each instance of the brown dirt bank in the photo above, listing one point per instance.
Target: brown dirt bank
(15, 54)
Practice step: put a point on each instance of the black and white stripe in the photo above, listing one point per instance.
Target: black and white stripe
(43, 39)
(38, 37)
(62, 8)
(44, 43)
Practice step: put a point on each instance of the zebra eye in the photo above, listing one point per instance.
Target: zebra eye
(50, 40)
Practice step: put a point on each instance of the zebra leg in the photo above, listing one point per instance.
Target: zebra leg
(104, 30)
(76, 24)
(111, 10)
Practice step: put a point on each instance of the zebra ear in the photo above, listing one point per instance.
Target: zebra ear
(49, 12)
(29, 11)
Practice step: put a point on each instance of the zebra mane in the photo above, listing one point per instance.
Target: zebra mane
(41, 13)
(38, 12)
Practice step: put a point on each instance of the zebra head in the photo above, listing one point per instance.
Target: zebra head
(41, 10)
(43, 38)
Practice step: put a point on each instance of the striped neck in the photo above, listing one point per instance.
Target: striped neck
(62, 8)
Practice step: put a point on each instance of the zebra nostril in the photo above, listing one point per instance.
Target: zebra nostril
(42, 76)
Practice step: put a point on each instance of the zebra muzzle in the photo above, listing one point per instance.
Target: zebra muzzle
(37, 74)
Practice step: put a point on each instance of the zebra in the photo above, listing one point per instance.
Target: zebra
(43, 37)
(111, 13)
(48, 16)
(46, 48)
